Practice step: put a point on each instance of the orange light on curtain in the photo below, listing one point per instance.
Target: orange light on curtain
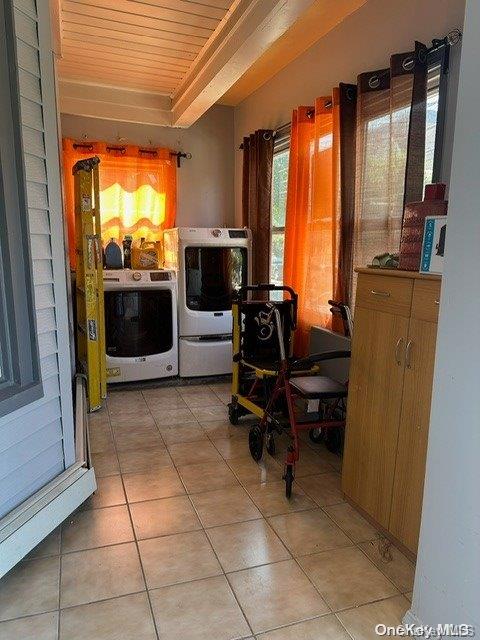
(137, 190)
(312, 217)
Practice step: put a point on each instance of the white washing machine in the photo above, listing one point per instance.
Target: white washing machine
(140, 324)
(210, 265)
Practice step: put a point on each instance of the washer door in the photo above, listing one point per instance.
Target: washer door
(138, 323)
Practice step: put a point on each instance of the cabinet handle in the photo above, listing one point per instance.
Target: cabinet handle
(408, 351)
(437, 301)
(382, 294)
(398, 359)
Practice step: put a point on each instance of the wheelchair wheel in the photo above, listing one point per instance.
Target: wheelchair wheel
(270, 444)
(316, 435)
(255, 443)
(233, 413)
(288, 477)
(334, 440)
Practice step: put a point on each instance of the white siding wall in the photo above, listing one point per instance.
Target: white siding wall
(36, 442)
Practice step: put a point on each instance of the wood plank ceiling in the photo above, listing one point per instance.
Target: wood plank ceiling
(144, 45)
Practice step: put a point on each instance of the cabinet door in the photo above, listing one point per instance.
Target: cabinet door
(413, 434)
(373, 412)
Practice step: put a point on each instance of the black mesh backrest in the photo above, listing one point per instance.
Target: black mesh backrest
(259, 341)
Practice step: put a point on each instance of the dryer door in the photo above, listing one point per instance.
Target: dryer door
(138, 322)
(212, 274)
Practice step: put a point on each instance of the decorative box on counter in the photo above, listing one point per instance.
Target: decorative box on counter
(433, 204)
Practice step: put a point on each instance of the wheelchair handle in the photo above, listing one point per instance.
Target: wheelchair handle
(266, 287)
(241, 294)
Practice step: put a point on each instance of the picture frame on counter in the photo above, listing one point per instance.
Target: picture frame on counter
(433, 247)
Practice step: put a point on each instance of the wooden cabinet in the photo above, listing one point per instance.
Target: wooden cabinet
(413, 434)
(390, 386)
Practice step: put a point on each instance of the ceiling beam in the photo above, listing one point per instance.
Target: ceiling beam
(318, 20)
(249, 28)
(110, 103)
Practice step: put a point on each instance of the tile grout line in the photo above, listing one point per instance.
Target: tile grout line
(60, 583)
(343, 627)
(263, 517)
(211, 546)
(136, 540)
(204, 529)
(317, 506)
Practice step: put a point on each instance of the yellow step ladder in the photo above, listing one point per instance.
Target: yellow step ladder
(90, 320)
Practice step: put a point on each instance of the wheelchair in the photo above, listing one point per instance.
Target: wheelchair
(269, 383)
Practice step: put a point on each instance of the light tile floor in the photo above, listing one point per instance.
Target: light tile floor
(187, 538)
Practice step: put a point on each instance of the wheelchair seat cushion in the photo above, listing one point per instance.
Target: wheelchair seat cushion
(318, 387)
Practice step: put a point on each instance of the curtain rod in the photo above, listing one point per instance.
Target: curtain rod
(452, 38)
(275, 132)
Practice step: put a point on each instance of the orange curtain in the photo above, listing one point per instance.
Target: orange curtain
(137, 190)
(312, 227)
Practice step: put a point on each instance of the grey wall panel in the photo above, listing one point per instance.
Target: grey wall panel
(35, 169)
(39, 220)
(47, 344)
(26, 28)
(43, 275)
(37, 195)
(21, 453)
(41, 247)
(30, 86)
(45, 320)
(36, 442)
(22, 427)
(30, 479)
(28, 58)
(44, 296)
(49, 366)
(33, 141)
(28, 7)
(31, 113)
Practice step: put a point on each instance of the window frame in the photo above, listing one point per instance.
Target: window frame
(440, 56)
(20, 381)
(281, 144)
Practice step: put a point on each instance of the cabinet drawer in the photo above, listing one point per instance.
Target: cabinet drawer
(384, 293)
(426, 300)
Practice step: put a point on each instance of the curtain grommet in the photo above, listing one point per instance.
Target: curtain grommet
(374, 82)
(409, 63)
(350, 93)
(422, 55)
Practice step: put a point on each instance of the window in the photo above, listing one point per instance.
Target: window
(437, 79)
(382, 154)
(19, 362)
(277, 214)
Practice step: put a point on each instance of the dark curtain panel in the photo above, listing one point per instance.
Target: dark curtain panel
(348, 114)
(415, 169)
(256, 197)
(390, 155)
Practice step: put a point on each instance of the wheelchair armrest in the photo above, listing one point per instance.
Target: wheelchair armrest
(313, 358)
